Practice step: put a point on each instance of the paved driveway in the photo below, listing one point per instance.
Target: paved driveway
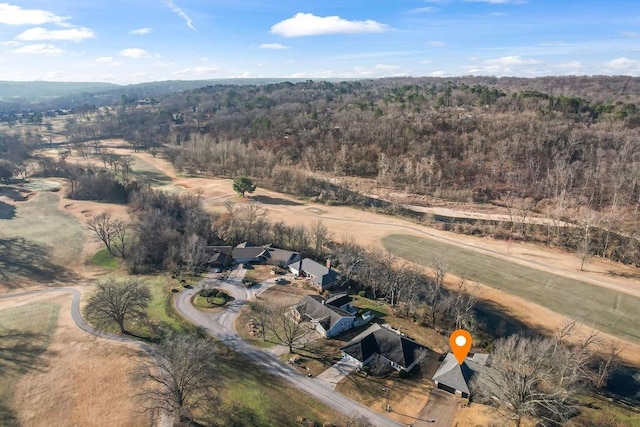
(337, 372)
(439, 410)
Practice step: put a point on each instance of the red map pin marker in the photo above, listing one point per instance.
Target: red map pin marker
(460, 342)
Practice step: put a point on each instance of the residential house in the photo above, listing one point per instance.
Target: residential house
(323, 277)
(219, 256)
(330, 317)
(454, 377)
(387, 345)
(280, 257)
(245, 252)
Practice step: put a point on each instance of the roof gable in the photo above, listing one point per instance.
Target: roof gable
(313, 307)
(457, 376)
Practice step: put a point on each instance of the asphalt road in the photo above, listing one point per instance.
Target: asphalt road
(220, 325)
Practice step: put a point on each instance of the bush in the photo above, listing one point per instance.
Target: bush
(209, 293)
(362, 294)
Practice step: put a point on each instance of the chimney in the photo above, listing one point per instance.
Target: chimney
(329, 264)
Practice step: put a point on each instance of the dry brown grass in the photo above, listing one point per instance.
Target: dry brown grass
(85, 382)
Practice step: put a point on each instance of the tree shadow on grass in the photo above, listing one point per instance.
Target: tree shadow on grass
(7, 211)
(14, 193)
(21, 351)
(274, 200)
(7, 416)
(27, 259)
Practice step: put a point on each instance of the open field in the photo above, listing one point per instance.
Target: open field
(605, 309)
(79, 380)
(254, 398)
(25, 335)
(39, 231)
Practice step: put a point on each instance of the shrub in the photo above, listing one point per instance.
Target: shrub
(362, 294)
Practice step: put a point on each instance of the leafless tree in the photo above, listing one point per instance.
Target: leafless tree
(287, 330)
(261, 315)
(193, 253)
(104, 227)
(530, 377)
(587, 220)
(180, 377)
(118, 302)
(319, 236)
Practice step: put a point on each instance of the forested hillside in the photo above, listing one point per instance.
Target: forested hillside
(566, 147)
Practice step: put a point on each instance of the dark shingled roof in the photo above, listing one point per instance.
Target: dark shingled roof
(457, 376)
(277, 256)
(386, 343)
(339, 300)
(326, 315)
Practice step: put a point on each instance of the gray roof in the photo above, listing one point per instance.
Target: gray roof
(248, 253)
(339, 300)
(386, 343)
(457, 376)
(327, 315)
(278, 256)
(321, 275)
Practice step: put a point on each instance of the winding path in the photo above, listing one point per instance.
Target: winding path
(221, 326)
(76, 315)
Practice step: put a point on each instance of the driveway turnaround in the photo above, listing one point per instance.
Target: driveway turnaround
(220, 325)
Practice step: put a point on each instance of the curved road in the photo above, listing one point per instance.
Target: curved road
(76, 315)
(221, 326)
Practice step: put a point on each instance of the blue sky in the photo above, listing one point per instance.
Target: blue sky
(130, 41)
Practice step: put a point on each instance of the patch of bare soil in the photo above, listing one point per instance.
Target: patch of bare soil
(85, 383)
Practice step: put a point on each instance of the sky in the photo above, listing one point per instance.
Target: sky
(132, 41)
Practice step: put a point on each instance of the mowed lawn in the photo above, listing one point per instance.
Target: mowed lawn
(25, 333)
(605, 309)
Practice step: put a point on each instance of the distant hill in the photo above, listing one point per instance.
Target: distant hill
(40, 91)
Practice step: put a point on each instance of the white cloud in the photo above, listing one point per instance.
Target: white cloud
(506, 65)
(507, 61)
(11, 43)
(428, 9)
(141, 31)
(107, 60)
(570, 65)
(195, 72)
(437, 73)
(135, 53)
(631, 34)
(71, 34)
(307, 24)
(181, 13)
(15, 15)
(623, 65)
(435, 43)
(273, 46)
(39, 49)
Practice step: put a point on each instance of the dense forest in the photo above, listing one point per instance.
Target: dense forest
(565, 147)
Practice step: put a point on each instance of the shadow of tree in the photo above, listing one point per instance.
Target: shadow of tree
(7, 211)
(267, 200)
(14, 193)
(7, 416)
(21, 350)
(28, 259)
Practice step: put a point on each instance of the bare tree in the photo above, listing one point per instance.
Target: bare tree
(193, 253)
(320, 236)
(530, 377)
(287, 330)
(180, 378)
(261, 315)
(120, 239)
(104, 228)
(587, 220)
(118, 302)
